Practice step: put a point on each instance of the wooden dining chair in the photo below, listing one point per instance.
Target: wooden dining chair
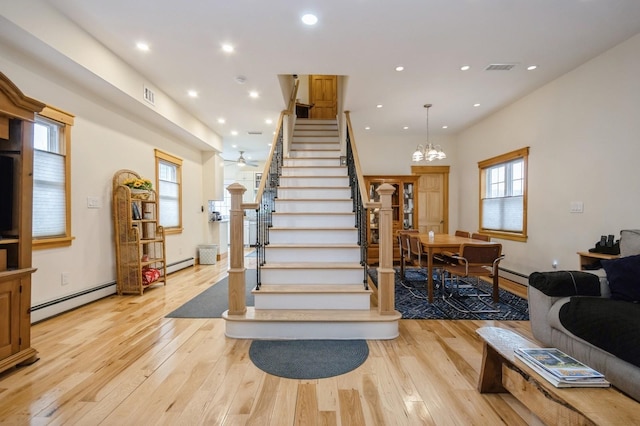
(475, 260)
(481, 237)
(405, 255)
(463, 234)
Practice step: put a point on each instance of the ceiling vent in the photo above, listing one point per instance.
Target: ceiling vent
(500, 67)
(254, 132)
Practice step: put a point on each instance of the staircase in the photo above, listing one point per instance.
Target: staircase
(312, 280)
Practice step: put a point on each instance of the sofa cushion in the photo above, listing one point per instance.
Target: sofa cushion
(566, 283)
(623, 275)
(629, 242)
(611, 325)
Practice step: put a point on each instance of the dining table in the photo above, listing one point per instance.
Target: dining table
(437, 244)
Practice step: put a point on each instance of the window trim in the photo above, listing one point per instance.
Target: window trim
(163, 156)
(65, 120)
(522, 153)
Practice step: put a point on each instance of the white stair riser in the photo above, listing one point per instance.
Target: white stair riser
(312, 301)
(312, 330)
(311, 162)
(304, 132)
(314, 193)
(316, 122)
(311, 276)
(314, 171)
(314, 181)
(315, 145)
(308, 206)
(312, 254)
(313, 220)
(315, 154)
(313, 236)
(333, 126)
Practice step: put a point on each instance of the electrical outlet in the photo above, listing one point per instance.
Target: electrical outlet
(64, 278)
(576, 207)
(93, 202)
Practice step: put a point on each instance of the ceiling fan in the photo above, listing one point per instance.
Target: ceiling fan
(241, 161)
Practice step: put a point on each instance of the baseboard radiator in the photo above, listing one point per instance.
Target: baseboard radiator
(66, 303)
(514, 276)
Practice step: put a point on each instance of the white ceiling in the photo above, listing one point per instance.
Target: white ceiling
(362, 39)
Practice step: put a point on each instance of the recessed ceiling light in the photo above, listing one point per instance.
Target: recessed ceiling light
(142, 46)
(465, 68)
(254, 94)
(227, 48)
(221, 120)
(234, 132)
(379, 106)
(445, 127)
(406, 128)
(268, 121)
(399, 68)
(192, 93)
(234, 146)
(269, 144)
(367, 128)
(531, 67)
(309, 19)
(476, 105)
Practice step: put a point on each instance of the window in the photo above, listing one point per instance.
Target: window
(503, 195)
(52, 179)
(169, 185)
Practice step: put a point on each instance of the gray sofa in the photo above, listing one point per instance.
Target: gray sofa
(552, 297)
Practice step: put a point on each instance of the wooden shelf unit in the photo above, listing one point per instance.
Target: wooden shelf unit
(591, 261)
(17, 114)
(139, 239)
(404, 204)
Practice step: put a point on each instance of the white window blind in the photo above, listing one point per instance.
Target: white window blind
(49, 204)
(169, 194)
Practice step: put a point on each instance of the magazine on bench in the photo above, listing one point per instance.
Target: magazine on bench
(560, 369)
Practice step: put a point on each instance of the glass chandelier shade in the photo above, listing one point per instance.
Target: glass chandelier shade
(428, 151)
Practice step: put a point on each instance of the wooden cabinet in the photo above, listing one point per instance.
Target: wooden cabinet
(17, 113)
(139, 239)
(404, 206)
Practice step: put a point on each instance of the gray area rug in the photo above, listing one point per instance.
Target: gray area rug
(212, 302)
(308, 359)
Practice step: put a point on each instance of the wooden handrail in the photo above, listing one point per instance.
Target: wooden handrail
(367, 203)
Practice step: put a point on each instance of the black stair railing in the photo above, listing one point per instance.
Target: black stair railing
(359, 197)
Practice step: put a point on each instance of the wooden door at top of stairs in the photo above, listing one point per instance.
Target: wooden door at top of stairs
(323, 95)
(433, 198)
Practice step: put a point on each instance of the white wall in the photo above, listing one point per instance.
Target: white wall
(104, 140)
(584, 134)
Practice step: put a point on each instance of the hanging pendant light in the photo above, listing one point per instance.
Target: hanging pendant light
(428, 151)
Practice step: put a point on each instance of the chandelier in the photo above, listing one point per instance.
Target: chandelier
(428, 151)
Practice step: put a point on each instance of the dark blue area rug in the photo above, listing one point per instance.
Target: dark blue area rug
(412, 302)
(212, 302)
(308, 359)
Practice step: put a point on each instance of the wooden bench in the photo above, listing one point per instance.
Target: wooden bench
(501, 371)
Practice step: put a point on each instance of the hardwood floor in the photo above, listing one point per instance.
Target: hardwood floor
(120, 361)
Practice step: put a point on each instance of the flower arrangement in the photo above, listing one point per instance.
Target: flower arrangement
(138, 183)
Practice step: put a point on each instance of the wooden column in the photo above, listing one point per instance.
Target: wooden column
(386, 273)
(237, 287)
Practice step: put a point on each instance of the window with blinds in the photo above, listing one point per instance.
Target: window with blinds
(51, 197)
(503, 195)
(169, 187)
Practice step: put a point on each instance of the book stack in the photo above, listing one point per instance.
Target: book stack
(560, 369)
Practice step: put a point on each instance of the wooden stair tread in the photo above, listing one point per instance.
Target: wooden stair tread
(312, 213)
(312, 265)
(304, 200)
(314, 187)
(314, 177)
(311, 288)
(315, 228)
(319, 245)
(311, 315)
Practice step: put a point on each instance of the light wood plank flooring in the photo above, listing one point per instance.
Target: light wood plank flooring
(119, 361)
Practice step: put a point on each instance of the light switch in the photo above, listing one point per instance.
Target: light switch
(576, 207)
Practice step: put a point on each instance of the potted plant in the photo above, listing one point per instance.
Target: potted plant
(139, 187)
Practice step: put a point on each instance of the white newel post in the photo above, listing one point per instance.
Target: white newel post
(386, 273)
(237, 287)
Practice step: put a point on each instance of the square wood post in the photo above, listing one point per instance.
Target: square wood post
(237, 286)
(386, 273)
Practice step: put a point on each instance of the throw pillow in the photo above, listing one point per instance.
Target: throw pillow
(623, 275)
(629, 242)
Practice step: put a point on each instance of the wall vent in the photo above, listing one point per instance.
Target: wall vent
(254, 132)
(149, 95)
(499, 67)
